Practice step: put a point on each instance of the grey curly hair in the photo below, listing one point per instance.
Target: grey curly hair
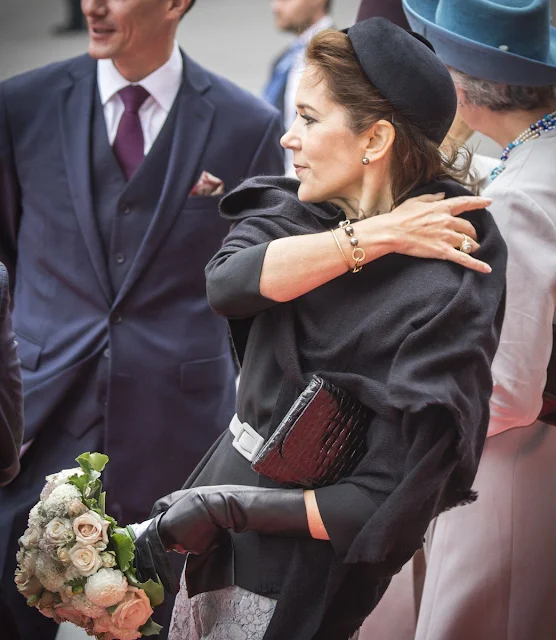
(503, 97)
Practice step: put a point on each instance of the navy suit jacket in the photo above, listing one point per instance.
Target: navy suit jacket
(170, 388)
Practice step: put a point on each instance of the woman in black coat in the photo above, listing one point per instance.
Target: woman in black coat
(306, 293)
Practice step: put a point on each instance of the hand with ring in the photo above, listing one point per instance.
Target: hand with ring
(430, 226)
(466, 246)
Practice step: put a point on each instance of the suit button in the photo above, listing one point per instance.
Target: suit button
(125, 209)
(106, 353)
(116, 318)
(120, 258)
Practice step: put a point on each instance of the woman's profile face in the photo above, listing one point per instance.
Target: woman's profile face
(327, 154)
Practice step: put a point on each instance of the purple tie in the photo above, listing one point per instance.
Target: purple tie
(129, 144)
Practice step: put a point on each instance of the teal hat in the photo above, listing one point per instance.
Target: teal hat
(506, 41)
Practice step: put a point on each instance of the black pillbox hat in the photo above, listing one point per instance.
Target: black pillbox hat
(406, 71)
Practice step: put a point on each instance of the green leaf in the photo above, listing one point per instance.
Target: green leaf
(77, 582)
(93, 490)
(102, 503)
(154, 591)
(92, 463)
(79, 481)
(150, 628)
(123, 545)
(98, 461)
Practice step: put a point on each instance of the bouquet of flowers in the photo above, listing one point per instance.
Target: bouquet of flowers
(76, 565)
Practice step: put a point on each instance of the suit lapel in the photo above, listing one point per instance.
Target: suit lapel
(75, 124)
(193, 124)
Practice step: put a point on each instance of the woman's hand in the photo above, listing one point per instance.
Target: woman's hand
(428, 227)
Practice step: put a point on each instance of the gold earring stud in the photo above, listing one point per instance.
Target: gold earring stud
(365, 161)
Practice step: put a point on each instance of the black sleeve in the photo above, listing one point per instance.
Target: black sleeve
(234, 274)
(11, 392)
(10, 197)
(406, 469)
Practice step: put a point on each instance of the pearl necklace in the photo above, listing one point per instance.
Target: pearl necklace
(546, 123)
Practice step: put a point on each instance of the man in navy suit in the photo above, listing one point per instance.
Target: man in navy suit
(106, 247)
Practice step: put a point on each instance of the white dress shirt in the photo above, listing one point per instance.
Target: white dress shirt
(524, 207)
(294, 78)
(162, 84)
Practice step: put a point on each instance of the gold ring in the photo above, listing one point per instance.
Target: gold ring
(465, 246)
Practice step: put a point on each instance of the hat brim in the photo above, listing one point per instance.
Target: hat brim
(482, 60)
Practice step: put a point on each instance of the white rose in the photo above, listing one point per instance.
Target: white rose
(85, 558)
(106, 588)
(63, 476)
(31, 537)
(56, 505)
(56, 479)
(63, 555)
(90, 528)
(58, 531)
(108, 559)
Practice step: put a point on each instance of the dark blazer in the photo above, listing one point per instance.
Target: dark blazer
(170, 388)
(11, 392)
(11, 418)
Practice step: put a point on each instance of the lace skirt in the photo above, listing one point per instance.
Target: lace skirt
(228, 614)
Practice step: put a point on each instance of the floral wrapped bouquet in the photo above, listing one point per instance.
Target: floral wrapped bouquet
(76, 565)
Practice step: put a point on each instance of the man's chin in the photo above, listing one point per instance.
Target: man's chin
(99, 52)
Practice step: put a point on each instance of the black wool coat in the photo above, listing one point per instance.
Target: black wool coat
(412, 339)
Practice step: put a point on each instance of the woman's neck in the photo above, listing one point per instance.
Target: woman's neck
(506, 126)
(372, 198)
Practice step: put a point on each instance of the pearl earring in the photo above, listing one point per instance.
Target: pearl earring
(365, 161)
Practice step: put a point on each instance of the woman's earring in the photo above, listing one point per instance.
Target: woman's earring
(460, 103)
(365, 161)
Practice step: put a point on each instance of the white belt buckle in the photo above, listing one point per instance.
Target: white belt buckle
(246, 440)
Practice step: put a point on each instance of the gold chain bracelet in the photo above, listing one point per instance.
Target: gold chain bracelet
(340, 248)
(357, 253)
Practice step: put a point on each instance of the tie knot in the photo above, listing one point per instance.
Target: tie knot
(133, 97)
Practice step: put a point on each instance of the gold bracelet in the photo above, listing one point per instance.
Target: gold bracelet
(357, 253)
(340, 248)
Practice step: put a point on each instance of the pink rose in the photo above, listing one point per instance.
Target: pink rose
(46, 605)
(134, 610)
(27, 585)
(90, 528)
(85, 558)
(67, 613)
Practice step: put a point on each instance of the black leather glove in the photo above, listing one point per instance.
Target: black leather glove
(163, 504)
(196, 521)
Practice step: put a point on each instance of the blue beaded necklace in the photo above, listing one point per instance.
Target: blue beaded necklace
(546, 123)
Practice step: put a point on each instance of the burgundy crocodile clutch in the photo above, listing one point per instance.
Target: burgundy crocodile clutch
(320, 440)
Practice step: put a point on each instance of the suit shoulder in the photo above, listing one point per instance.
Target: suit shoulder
(46, 78)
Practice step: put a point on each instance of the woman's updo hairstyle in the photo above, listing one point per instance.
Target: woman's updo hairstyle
(416, 159)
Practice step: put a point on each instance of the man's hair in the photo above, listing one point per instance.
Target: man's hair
(328, 7)
(503, 97)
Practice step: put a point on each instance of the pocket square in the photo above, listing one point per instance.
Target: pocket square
(208, 185)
